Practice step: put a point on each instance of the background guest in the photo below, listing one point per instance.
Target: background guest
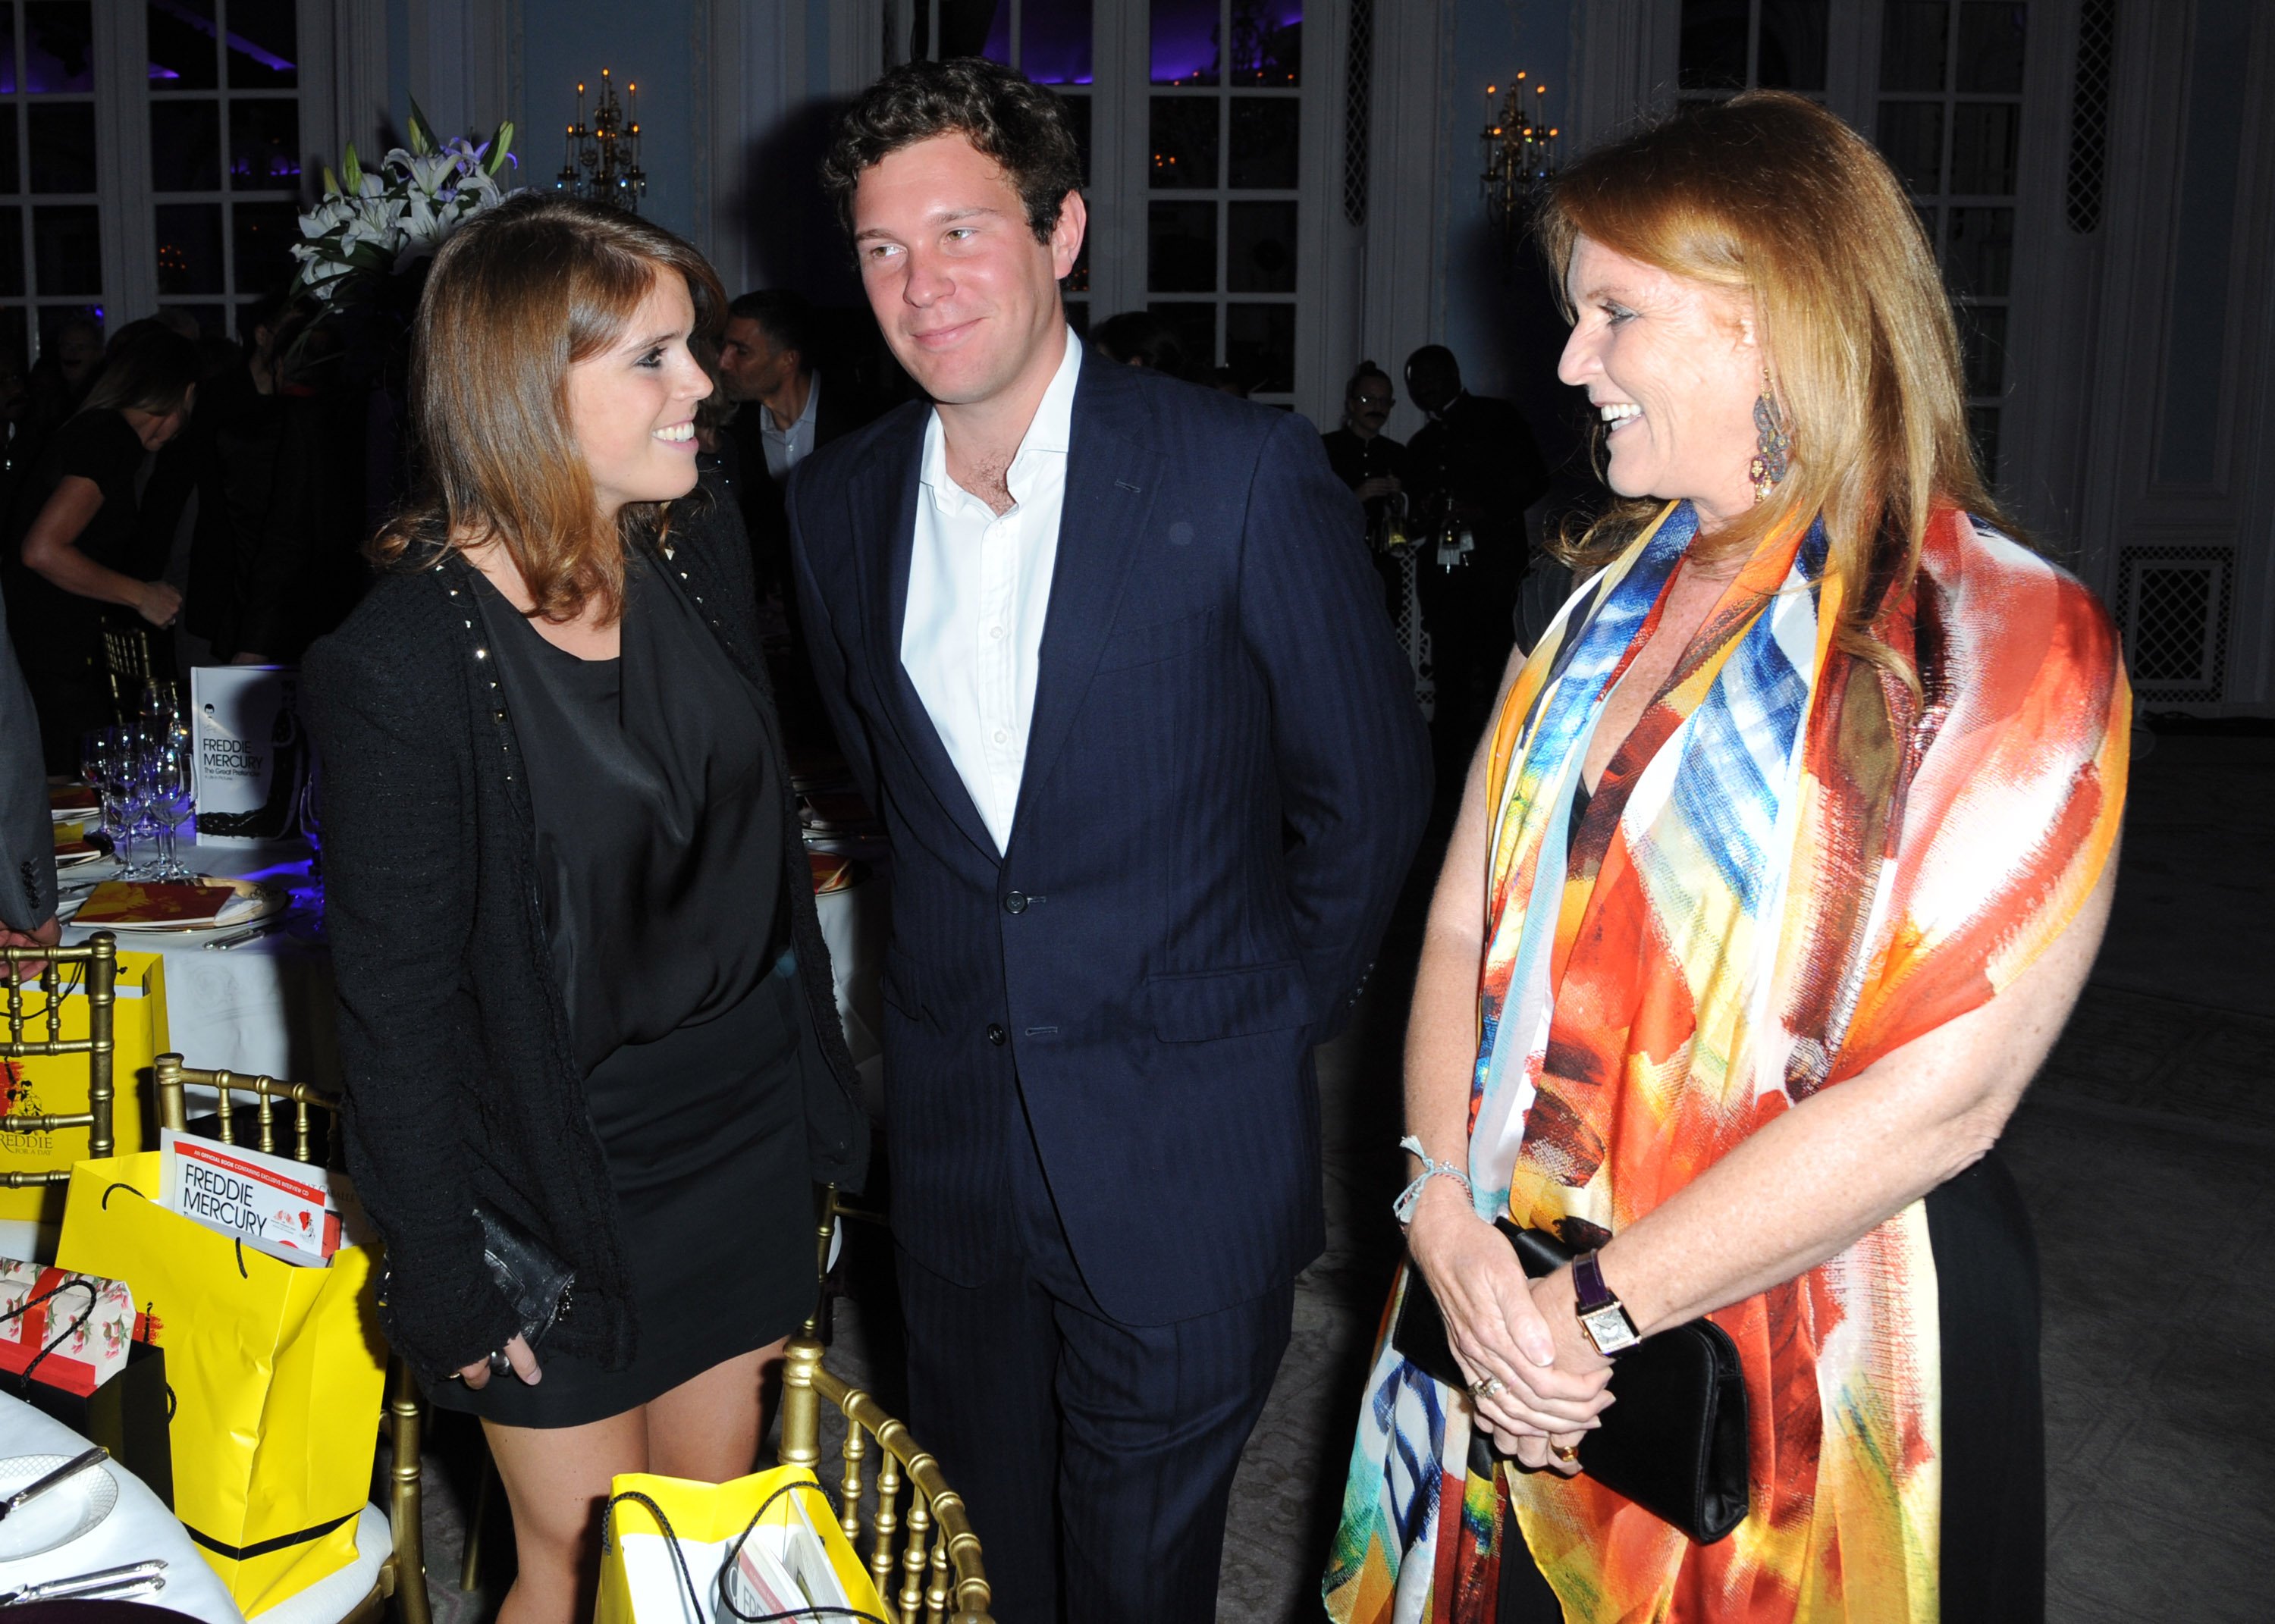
(1375, 467)
(1474, 467)
(77, 526)
(71, 353)
(27, 847)
(783, 411)
(770, 367)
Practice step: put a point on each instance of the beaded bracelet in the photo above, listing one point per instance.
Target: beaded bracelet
(1410, 1197)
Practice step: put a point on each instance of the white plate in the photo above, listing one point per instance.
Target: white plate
(271, 900)
(72, 859)
(57, 1517)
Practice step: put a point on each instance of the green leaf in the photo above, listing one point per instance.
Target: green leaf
(498, 142)
(422, 134)
(349, 168)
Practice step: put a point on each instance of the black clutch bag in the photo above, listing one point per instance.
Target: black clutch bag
(1675, 1442)
(534, 1282)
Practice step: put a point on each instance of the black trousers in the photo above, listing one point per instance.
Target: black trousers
(1992, 1561)
(1096, 1458)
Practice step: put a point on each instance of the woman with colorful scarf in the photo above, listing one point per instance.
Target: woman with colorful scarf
(1773, 885)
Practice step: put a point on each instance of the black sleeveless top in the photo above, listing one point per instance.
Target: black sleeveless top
(659, 822)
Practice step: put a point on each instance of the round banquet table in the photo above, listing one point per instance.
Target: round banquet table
(267, 1006)
(138, 1528)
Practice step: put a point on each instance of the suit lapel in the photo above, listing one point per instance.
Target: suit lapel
(884, 519)
(1110, 481)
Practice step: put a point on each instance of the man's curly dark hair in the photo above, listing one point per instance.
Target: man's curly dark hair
(1019, 124)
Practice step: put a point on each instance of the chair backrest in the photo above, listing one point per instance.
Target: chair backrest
(940, 1577)
(127, 662)
(175, 1079)
(100, 954)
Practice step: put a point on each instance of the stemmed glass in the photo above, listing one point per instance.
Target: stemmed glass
(171, 776)
(125, 774)
(93, 747)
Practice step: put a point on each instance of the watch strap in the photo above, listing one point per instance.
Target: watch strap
(1588, 1285)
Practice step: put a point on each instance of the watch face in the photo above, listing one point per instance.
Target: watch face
(1609, 1329)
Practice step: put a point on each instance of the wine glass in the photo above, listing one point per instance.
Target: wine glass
(125, 771)
(173, 779)
(93, 747)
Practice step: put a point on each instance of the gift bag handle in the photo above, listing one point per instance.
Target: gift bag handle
(33, 1301)
(819, 1610)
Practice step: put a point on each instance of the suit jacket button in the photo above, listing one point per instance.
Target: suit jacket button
(1017, 903)
(996, 1035)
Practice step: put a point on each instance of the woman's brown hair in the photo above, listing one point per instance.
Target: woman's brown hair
(1774, 201)
(516, 298)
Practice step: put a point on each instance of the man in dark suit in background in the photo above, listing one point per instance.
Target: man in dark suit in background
(767, 365)
(28, 844)
(1107, 654)
(1474, 469)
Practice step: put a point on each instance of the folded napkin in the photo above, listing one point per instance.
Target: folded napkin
(121, 902)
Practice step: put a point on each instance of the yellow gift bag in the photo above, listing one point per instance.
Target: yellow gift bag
(55, 1084)
(768, 1546)
(277, 1373)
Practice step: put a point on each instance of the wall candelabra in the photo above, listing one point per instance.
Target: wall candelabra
(603, 156)
(1520, 148)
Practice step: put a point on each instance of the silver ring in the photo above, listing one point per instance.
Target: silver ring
(500, 1365)
(1487, 1388)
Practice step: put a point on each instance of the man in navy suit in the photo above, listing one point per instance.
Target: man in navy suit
(1107, 651)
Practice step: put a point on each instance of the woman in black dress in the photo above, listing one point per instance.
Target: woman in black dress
(580, 977)
(75, 532)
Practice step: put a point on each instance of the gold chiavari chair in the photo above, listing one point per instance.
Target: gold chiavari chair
(126, 664)
(100, 955)
(936, 1575)
(403, 1575)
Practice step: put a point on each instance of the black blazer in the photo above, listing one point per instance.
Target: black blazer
(454, 1038)
(1225, 778)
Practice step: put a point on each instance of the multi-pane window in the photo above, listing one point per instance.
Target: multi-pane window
(1049, 40)
(225, 152)
(1733, 45)
(51, 218)
(1224, 114)
(1950, 122)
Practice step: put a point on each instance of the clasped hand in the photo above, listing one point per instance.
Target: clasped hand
(1504, 1328)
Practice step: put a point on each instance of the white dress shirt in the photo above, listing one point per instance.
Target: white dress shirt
(787, 448)
(979, 588)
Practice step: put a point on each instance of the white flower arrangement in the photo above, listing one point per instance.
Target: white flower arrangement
(382, 222)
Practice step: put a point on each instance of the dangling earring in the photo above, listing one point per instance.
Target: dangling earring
(1771, 443)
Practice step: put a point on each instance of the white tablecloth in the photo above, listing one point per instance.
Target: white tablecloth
(266, 1007)
(139, 1527)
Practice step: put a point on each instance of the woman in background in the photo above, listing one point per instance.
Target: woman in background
(76, 529)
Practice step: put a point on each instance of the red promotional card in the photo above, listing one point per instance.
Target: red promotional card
(122, 901)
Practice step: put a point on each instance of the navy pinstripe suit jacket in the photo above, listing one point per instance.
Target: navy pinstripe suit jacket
(1225, 778)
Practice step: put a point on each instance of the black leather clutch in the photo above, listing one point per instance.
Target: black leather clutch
(533, 1281)
(1675, 1442)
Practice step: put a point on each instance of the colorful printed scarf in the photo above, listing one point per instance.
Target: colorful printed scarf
(1791, 868)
